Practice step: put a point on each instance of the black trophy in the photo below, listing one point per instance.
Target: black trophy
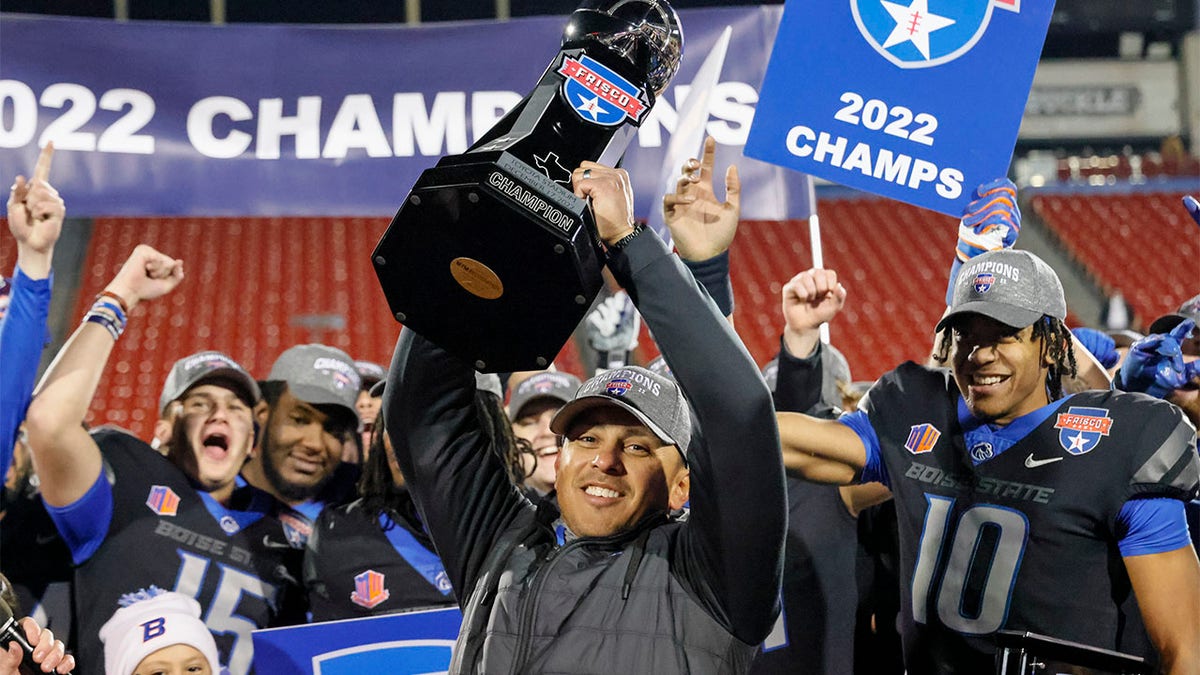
(492, 255)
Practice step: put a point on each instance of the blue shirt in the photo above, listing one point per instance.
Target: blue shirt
(23, 336)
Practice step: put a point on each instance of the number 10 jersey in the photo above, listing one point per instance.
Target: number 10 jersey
(1017, 528)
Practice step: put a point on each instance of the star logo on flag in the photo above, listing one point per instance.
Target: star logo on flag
(914, 23)
(590, 106)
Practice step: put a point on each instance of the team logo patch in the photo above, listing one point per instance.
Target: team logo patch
(599, 95)
(297, 529)
(442, 581)
(229, 524)
(1080, 428)
(344, 375)
(618, 387)
(163, 500)
(922, 438)
(369, 590)
(983, 282)
(924, 33)
(982, 451)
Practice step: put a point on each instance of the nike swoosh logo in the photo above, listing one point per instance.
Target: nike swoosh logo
(270, 543)
(1031, 463)
(44, 539)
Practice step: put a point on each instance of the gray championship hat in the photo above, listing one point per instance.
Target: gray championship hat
(554, 385)
(1013, 287)
(370, 373)
(659, 367)
(204, 366)
(319, 374)
(1165, 323)
(654, 400)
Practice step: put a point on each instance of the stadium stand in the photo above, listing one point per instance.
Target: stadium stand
(892, 258)
(1106, 234)
(310, 282)
(253, 288)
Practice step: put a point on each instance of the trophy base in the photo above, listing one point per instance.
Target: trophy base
(491, 260)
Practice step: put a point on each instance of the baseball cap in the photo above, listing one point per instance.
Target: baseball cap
(207, 365)
(1013, 287)
(654, 400)
(152, 620)
(548, 384)
(1190, 309)
(319, 374)
(370, 373)
(659, 366)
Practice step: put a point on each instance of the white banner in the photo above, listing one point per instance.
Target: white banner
(1103, 99)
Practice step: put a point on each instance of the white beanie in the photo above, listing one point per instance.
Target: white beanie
(152, 620)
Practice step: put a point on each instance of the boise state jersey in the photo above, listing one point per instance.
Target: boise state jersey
(1019, 534)
(235, 562)
(355, 568)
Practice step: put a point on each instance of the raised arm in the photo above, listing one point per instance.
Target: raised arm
(35, 218)
(732, 547)
(67, 459)
(459, 484)
(822, 451)
(702, 227)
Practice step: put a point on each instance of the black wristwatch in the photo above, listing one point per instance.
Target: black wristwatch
(624, 241)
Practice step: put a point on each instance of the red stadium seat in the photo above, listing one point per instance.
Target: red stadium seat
(1142, 244)
(253, 288)
(891, 257)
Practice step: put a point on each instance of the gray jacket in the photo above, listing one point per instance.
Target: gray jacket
(667, 596)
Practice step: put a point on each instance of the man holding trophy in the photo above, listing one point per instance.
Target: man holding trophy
(495, 240)
(616, 581)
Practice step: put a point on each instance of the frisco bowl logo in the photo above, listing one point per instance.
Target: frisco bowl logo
(618, 387)
(983, 282)
(296, 529)
(599, 95)
(924, 33)
(1080, 428)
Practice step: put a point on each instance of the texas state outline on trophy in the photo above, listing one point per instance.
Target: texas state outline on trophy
(492, 255)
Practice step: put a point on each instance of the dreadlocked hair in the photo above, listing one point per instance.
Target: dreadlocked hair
(1056, 348)
(378, 491)
(489, 409)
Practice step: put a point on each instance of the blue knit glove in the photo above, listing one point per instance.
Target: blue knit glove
(1155, 364)
(1099, 344)
(991, 221)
